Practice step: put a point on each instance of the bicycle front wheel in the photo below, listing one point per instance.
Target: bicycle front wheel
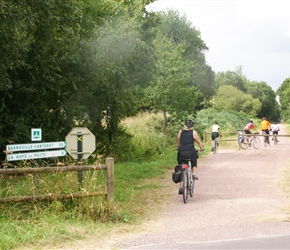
(185, 185)
(245, 142)
(256, 142)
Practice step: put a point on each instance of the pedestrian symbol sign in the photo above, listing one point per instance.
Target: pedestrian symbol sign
(36, 134)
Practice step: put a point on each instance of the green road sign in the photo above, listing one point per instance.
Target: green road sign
(36, 134)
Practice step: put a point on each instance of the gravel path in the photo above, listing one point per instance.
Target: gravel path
(236, 197)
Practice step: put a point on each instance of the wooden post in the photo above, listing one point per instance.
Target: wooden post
(238, 139)
(110, 179)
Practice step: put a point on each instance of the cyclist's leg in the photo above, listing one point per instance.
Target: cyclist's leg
(194, 168)
(248, 132)
(275, 133)
(268, 138)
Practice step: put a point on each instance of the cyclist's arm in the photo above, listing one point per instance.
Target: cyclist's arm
(196, 138)
(178, 139)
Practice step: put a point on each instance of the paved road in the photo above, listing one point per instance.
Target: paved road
(237, 205)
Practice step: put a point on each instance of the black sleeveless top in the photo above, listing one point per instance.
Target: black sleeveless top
(186, 140)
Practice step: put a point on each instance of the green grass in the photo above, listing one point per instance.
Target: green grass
(136, 186)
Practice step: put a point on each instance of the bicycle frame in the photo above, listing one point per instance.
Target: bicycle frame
(187, 181)
(266, 139)
(215, 144)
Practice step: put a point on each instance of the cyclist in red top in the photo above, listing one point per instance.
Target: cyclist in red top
(249, 126)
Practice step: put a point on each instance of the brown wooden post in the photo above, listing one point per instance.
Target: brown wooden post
(238, 140)
(110, 179)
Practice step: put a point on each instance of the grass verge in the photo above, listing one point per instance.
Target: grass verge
(141, 189)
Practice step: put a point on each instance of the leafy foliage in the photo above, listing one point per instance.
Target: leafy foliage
(179, 81)
(270, 107)
(284, 98)
(230, 98)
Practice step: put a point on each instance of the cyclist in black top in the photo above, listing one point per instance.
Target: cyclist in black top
(186, 148)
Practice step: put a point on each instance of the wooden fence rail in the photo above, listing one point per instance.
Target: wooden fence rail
(238, 134)
(108, 166)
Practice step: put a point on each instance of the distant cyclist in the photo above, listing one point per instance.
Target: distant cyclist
(266, 127)
(275, 128)
(250, 125)
(215, 133)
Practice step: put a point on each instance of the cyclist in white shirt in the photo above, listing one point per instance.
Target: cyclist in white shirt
(275, 128)
(215, 133)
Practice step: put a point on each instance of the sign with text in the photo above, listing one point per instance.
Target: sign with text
(35, 155)
(35, 146)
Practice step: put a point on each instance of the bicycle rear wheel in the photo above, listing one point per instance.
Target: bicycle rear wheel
(275, 140)
(266, 142)
(191, 187)
(256, 142)
(215, 146)
(244, 142)
(185, 185)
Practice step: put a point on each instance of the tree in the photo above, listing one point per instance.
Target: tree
(234, 78)
(179, 30)
(169, 92)
(180, 74)
(49, 69)
(262, 91)
(230, 98)
(284, 97)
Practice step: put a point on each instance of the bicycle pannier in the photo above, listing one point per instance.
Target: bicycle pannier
(176, 176)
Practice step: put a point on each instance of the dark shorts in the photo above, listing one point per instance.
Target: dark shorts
(214, 135)
(275, 132)
(247, 131)
(266, 131)
(182, 156)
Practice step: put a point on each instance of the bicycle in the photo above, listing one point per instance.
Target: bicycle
(275, 139)
(246, 142)
(266, 139)
(215, 144)
(187, 180)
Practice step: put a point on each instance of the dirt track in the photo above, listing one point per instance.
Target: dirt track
(236, 197)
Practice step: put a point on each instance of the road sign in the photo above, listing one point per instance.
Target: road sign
(36, 134)
(36, 155)
(80, 143)
(35, 146)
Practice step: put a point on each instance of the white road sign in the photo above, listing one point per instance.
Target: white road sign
(35, 155)
(87, 139)
(35, 146)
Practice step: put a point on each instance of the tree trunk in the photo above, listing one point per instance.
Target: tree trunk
(164, 125)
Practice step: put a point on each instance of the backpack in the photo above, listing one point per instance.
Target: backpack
(176, 175)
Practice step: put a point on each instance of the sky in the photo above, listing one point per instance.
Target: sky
(254, 34)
